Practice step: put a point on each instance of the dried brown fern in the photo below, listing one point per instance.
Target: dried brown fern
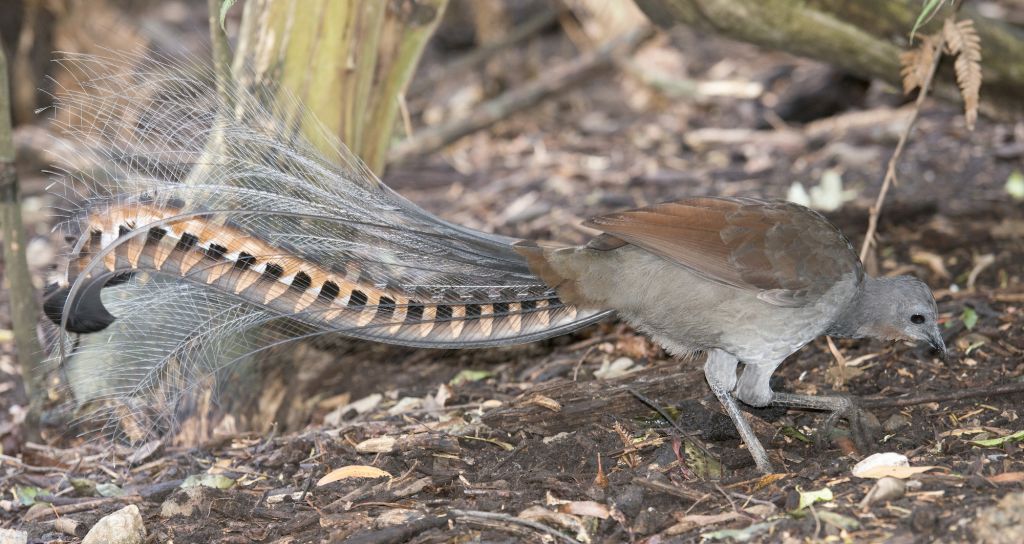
(962, 40)
(957, 38)
(916, 63)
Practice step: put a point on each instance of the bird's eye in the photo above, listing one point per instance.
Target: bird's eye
(917, 319)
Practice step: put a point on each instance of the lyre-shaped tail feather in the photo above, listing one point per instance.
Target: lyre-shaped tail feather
(226, 220)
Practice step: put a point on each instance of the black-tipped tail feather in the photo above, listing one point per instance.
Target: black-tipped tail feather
(88, 313)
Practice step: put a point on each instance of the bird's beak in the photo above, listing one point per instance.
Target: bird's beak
(935, 341)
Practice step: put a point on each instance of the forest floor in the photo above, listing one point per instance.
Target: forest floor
(549, 442)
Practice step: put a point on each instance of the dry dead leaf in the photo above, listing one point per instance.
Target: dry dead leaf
(444, 394)
(916, 63)
(380, 444)
(411, 488)
(933, 261)
(962, 40)
(887, 465)
(566, 522)
(585, 508)
(981, 262)
(688, 523)
(769, 479)
(615, 369)
(1007, 478)
(352, 471)
(545, 402)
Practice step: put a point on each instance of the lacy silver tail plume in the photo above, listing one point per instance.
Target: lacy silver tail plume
(202, 233)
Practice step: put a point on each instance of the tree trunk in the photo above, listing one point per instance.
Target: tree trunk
(24, 310)
(348, 62)
(863, 37)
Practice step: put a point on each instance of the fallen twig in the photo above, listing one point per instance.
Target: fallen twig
(79, 507)
(588, 402)
(692, 436)
(475, 515)
(674, 490)
(974, 392)
(399, 533)
(486, 51)
(553, 81)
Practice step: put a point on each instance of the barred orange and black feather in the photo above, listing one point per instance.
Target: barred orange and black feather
(203, 233)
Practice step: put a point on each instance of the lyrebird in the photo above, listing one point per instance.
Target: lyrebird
(229, 224)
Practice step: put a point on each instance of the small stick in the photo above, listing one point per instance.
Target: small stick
(683, 432)
(483, 53)
(675, 491)
(553, 81)
(984, 391)
(890, 171)
(79, 507)
(471, 515)
(399, 533)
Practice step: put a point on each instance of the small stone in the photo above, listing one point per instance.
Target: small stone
(1002, 523)
(895, 422)
(629, 500)
(185, 502)
(924, 519)
(395, 517)
(650, 520)
(39, 253)
(10, 536)
(122, 527)
(885, 489)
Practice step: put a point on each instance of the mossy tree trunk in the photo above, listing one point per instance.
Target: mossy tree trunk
(347, 61)
(863, 37)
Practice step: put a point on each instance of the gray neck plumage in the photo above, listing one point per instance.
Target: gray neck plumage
(859, 318)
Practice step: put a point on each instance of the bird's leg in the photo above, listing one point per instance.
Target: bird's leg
(720, 371)
(864, 427)
(754, 390)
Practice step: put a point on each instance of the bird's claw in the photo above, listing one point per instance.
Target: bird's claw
(865, 429)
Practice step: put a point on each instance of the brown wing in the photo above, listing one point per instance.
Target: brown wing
(787, 253)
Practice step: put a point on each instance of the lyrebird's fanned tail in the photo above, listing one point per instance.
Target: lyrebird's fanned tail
(198, 225)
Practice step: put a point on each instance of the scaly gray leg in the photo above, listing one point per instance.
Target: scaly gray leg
(720, 371)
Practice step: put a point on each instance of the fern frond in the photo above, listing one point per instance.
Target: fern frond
(962, 40)
(916, 63)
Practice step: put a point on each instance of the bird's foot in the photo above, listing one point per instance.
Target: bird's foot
(865, 430)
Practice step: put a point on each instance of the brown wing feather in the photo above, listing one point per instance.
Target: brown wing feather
(788, 253)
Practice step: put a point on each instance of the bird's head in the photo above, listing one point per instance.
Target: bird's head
(892, 308)
(896, 308)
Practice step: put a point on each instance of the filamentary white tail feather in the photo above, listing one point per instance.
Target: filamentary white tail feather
(226, 231)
